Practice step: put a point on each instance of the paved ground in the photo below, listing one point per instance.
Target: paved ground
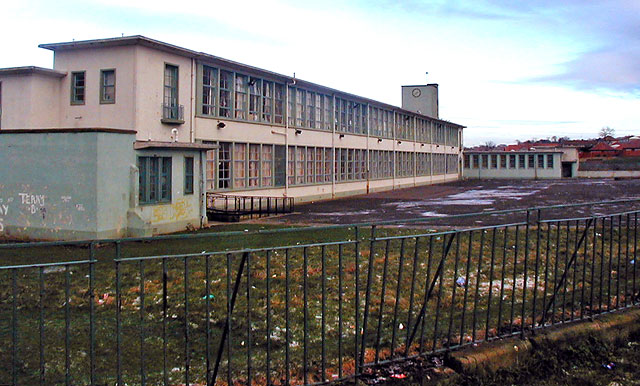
(466, 197)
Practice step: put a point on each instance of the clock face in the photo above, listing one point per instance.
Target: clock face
(416, 92)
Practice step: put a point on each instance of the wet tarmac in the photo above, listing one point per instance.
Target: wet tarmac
(437, 202)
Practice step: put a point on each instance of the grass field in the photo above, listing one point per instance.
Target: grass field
(294, 317)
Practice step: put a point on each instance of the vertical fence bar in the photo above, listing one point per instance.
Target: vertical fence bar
(502, 275)
(323, 313)
(618, 261)
(626, 262)
(41, 324)
(367, 295)
(411, 293)
(92, 315)
(340, 294)
(67, 325)
(118, 320)
(555, 273)
(143, 374)
(438, 299)
(187, 350)
(207, 305)
(602, 259)
(230, 321)
(466, 288)
(593, 265)
(566, 267)
(535, 273)
(14, 326)
(610, 263)
(305, 299)
(477, 294)
(584, 271)
(286, 318)
(453, 290)
(165, 309)
(249, 341)
(382, 298)
(268, 300)
(635, 254)
(514, 286)
(396, 305)
(524, 275)
(493, 256)
(546, 276)
(357, 301)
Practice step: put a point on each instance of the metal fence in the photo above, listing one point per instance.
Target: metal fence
(233, 208)
(306, 314)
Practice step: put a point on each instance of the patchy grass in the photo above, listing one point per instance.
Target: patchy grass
(479, 295)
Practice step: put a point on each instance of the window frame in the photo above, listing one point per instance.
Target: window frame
(103, 86)
(152, 170)
(188, 175)
(74, 88)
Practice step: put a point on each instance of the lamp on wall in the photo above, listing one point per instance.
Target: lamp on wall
(221, 125)
(298, 131)
(379, 140)
(422, 145)
(341, 136)
(399, 142)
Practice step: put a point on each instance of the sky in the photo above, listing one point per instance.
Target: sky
(507, 70)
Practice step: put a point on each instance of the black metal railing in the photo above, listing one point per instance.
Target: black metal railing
(172, 112)
(233, 208)
(304, 314)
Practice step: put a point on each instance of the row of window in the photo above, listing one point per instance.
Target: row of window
(508, 161)
(243, 165)
(107, 87)
(154, 179)
(229, 94)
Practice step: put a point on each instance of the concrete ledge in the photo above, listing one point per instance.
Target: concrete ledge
(511, 352)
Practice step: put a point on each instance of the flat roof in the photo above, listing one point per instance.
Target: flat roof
(56, 130)
(30, 70)
(510, 151)
(140, 145)
(162, 46)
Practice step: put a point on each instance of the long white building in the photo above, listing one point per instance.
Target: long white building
(164, 125)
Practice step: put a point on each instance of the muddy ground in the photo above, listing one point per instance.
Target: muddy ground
(437, 202)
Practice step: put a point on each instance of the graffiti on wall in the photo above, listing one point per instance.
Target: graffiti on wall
(181, 209)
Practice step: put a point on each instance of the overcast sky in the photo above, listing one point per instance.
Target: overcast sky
(506, 69)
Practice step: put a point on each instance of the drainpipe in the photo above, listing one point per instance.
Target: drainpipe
(286, 136)
(333, 146)
(192, 107)
(203, 193)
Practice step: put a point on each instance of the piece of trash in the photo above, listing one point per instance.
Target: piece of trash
(210, 296)
(516, 348)
(461, 281)
(398, 376)
(632, 262)
(401, 326)
(609, 366)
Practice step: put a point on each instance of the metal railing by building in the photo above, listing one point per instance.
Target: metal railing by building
(173, 112)
(309, 313)
(233, 208)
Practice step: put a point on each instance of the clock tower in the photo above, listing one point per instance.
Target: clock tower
(421, 99)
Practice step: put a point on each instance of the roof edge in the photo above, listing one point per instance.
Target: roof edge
(30, 70)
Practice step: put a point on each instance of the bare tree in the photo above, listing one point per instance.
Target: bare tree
(490, 144)
(607, 131)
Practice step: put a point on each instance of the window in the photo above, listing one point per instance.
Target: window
(239, 164)
(211, 169)
(226, 85)
(77, 88)
(300, 107)
(550, 161)
(494, 161)
(485, 161)
(503, 161)
(278, 100)
(108, 86)
(188, 175)
(267, 103)
(466, 161)
(476, 161)
(171, 108)
(541, 161)
(154, 179)
(512, 161)
(209, 90)
(254, 165)
(531, 161)
(240, 100)
(255, 96)
(224, 165)
(267, 165)
(521, 161)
